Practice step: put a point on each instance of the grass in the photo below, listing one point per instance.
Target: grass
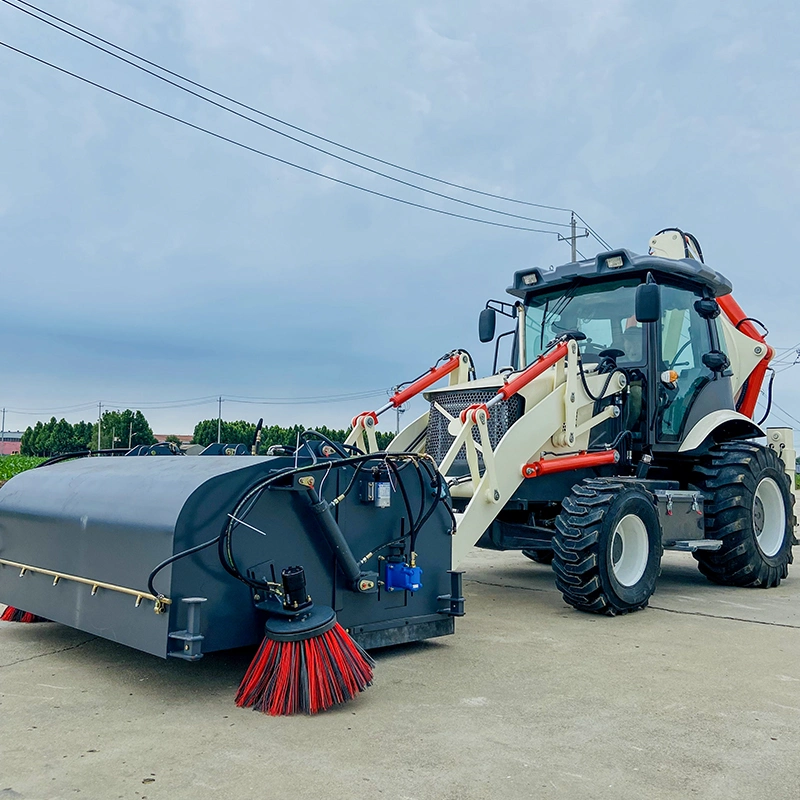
(13, 465)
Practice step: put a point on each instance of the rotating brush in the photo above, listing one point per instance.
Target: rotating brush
(307, 662)
(12, 614)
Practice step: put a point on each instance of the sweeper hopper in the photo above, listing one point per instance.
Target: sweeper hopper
(181, 556)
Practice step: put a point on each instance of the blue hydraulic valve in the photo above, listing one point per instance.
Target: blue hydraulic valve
(402, 577)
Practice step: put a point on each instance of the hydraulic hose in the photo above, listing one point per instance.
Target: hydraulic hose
(334, 536)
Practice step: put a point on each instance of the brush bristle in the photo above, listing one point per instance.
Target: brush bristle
(12, 614)
(308, 676)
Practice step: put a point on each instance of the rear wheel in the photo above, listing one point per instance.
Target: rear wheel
(607, 547)
(750, 511)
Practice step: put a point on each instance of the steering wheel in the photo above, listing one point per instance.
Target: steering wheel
(590, 348)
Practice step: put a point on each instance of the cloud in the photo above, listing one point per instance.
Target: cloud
(144, 258)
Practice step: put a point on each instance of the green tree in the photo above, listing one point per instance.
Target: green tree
(28, 442)
(120, 428)
(62, 438)
(238, 432)
(205, 433)
(174, 439)
(55, 437)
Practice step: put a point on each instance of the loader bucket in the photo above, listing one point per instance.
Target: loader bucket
(79, 539)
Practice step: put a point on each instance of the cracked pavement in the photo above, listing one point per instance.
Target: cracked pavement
(698, 695)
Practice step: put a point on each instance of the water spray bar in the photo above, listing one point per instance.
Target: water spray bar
(159, 603)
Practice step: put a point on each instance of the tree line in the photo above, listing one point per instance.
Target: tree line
(126, 429)
(243, 432)
(118, 430)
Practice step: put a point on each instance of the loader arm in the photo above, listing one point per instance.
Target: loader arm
(458, 365)
(558, 417)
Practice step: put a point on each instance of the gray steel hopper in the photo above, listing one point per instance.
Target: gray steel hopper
(78, 540)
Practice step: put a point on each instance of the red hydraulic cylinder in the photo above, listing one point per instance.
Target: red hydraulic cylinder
(547, 466)
(544, 362)
(425, 381)
(734, 312)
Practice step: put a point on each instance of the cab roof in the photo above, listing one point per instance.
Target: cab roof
(616, 264)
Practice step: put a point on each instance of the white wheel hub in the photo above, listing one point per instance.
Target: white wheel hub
(629, 550)
(769, 516)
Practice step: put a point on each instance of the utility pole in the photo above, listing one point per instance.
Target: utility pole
(130, 434)
(219, 421)
(99, 419)
(3, 428)
(574, 236)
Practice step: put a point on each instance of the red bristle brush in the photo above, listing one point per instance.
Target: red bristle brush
(12, 614)
(307, 661)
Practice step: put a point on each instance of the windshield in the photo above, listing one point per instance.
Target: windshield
(605, 313)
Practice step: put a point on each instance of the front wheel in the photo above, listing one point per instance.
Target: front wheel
(750, 512)
(607, 547)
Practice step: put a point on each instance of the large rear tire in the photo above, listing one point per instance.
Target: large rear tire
(750, 511)
(607, 547)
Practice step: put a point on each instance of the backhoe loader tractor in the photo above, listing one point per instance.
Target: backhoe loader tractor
(622, 426)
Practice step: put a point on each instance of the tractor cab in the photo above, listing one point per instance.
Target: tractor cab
(655, 318)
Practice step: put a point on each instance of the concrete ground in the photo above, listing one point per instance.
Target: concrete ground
(697, 696)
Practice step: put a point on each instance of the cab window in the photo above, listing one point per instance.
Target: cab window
(685, 338)
(603, 312)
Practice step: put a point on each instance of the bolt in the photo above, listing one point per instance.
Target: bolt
(571, 438)
(496, 495)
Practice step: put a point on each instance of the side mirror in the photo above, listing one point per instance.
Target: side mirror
(486, 324)
(648, 302)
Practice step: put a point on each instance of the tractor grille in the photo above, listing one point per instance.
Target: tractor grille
(501, 418)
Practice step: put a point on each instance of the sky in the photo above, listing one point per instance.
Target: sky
(147, 265)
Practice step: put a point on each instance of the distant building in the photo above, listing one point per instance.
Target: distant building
(9, 443)
(185, 438)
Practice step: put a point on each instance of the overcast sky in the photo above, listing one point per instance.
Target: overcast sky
(144, 262)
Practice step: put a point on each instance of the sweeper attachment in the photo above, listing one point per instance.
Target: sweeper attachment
(623, 426)
(183, 556)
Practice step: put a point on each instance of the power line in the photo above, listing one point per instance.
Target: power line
(785, 412)
(62, 410)
(593, 232)
(279, 132)
(269, 155)
(289, 124)
(779, 417)
(785, 349)
(787, 366)
(153, 405)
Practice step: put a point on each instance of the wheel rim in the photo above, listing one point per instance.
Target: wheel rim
(629, 550)
(769, 516)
